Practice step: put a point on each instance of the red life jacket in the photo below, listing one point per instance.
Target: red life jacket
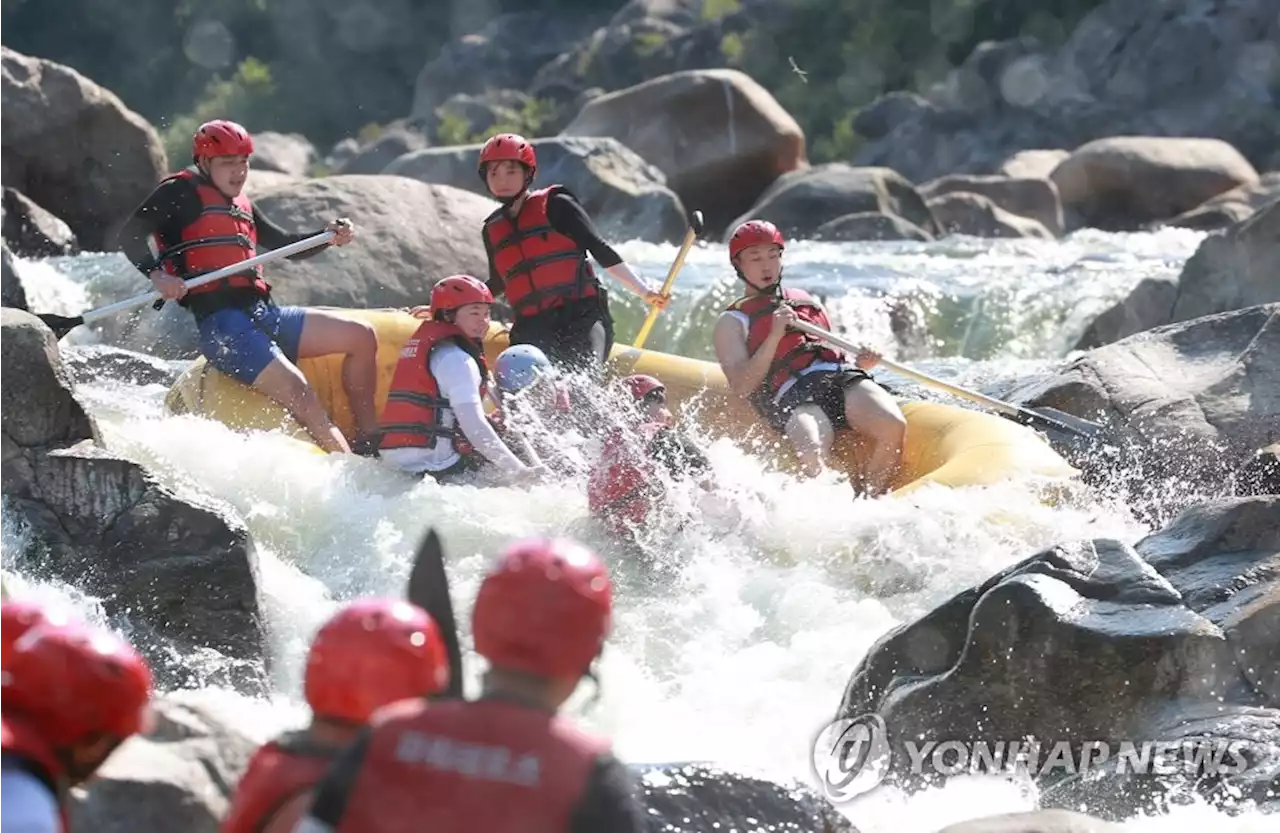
(542, 268)
(223, 234)
(21, 741)
(415, 415)
(796, 350)
(620, 488)
(458, 767)
(278, 772)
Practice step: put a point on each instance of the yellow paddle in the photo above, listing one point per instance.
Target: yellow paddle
(695, 228)
(1050, 418)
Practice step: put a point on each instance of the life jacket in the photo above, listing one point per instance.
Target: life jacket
(541, 268)
(279, 771)
(20, 741)
(458, 767)
(416, 415)
(796, 350)
(620, 489)
(223, 234)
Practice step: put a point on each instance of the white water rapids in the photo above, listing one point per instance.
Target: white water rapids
(741, 654)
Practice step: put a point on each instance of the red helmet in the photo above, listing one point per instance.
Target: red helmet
(458, 291)
(221, 138)
(641, 386)
(508, 147)
(18, 617)
(544, 608)
(73, 682)
(753, 233)
(371, 653)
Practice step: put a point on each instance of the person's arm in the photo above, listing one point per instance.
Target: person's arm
(173, 205)
(271, 236)
(610, 803)
(745, 371)
(333, 791)
(568, 217)
(29, 805)
(458, 377)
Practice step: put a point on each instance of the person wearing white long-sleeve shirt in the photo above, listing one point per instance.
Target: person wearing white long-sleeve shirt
(434, 422)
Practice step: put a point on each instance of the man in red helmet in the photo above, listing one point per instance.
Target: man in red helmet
(199, 220)
(371, 653)
(505, 761)
(803, 388)
(434, 421)
(71, 694)
(624, 487)
(537, 244)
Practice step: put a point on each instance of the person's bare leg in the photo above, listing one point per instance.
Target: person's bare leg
(810, 434)
(283, 383)
(324, 333)
(873, 413)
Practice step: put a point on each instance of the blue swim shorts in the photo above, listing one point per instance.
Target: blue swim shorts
(242, 341)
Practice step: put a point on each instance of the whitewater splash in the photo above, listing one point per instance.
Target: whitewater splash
(738, 650)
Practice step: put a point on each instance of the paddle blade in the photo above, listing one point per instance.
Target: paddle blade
(696, 223)
(429, 590)
(61, 324)
(1073, 423)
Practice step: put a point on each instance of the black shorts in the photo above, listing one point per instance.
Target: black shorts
(824, 388)
(566, 334)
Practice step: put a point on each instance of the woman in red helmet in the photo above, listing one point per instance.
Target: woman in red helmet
(371, 653)
(624, 487)
(71, 694)
(803, 388)
(199, 220)
(537, 244)
(505, 761)
(434, 421)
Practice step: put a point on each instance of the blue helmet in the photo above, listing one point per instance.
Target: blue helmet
(520, 366)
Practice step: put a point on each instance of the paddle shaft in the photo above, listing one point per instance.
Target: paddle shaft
(224, 272)
(652, 318)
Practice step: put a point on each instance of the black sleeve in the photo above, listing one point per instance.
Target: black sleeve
(568, 217)
(271, 236)
(332, 792)
(172, 206)
(611, 803)
(678, 454)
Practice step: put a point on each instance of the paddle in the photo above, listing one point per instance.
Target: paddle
(695, 228)
(429, 589)
(61, 324)
(1046, 418)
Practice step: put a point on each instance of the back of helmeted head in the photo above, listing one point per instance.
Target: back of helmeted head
(520, 366)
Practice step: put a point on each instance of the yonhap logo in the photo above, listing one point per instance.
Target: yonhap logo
(851, 756)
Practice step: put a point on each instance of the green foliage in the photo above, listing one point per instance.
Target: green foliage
(452, 129)
(647, 44)
(245, 97)
(528, 122)
(842, 143)
(732, 48)
(716, 9)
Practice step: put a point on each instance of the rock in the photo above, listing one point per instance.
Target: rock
(1036, 821)
(12, 294)
(695, 797)
(1032, 164)
(1148, 305)
(1233, 270)
(261, 182)
(720, 138)
(286, 153)
(880, 117)
(342, 153)
(973, 214)
(375, 156)
(1123, 182)
(505, 54)
(96, 362)
(74, 148)
(479, 113)
(801, 201)
(1232, 206)
(1093, 641)
(1185, 404)
(178, 777)
(34, 232)
(108, 526)
(1260, 475)
(870, 225)
(1036, 199)
(626, 197)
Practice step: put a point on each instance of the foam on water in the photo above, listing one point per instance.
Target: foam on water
(770, 590)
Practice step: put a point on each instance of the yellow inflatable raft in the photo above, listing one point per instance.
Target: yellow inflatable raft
(946, 444)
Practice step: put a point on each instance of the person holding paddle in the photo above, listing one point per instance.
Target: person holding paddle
(537, 244)
(804, 389)
(199, 220)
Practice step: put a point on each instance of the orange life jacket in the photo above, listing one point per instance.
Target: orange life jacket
(279, 771)
(21, 741)
(541, 268)
(415, 415)
(458, 767)
(796, 350)
(223, 234)
(620, 487)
